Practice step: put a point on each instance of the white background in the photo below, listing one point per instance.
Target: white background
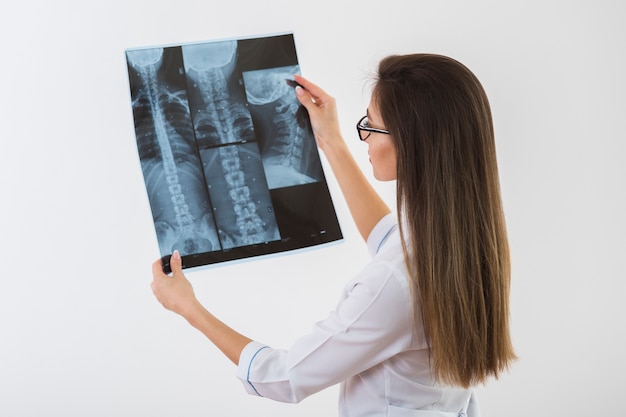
(80, 332)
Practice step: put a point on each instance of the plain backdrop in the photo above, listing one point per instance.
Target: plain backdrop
(81, 333)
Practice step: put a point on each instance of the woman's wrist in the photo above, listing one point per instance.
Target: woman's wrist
(335, 148)
(193, 312)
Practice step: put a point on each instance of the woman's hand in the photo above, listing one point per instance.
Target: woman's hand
(322, 111)
(366, 206)
(174, 292)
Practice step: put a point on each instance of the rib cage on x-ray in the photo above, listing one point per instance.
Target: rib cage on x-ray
(218, 145)
(183, 216)
(170, 161)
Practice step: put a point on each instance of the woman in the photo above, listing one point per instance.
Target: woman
(427, 318)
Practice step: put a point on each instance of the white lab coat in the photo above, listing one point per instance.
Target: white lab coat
(368, 344)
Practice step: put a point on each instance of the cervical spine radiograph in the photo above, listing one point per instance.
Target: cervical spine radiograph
(218, 108)
(289, 152)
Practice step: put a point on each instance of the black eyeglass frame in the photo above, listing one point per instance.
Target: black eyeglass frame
(360, 127)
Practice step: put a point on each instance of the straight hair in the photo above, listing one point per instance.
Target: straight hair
(450, 213)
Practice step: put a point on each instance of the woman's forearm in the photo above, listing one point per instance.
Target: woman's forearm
(366, 206)
(176, 294)
(230, 342)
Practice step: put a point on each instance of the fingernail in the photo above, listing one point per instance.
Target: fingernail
(299, 91)
(176, 255)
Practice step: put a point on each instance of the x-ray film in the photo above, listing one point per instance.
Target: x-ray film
(228, 156)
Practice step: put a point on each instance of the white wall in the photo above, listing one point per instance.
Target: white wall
(80, 332)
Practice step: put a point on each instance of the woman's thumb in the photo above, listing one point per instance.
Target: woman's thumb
(176, 263)
(304, 97)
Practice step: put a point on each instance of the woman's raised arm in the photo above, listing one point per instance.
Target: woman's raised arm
(366, 206)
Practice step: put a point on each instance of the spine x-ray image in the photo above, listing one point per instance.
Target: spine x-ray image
(228, 156)
(289, 151)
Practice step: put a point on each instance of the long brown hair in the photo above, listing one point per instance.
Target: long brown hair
(450, 210)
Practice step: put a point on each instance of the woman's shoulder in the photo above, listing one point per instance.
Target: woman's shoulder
(384, 231)
(387, 267)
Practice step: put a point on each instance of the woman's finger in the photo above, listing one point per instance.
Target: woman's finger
(316, 93)
(176, 263)
(305, 98)
(157, 268)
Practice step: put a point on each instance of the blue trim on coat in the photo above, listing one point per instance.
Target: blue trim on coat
(250, 366)
(391, 229)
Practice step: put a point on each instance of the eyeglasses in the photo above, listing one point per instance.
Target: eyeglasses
(365, 130)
